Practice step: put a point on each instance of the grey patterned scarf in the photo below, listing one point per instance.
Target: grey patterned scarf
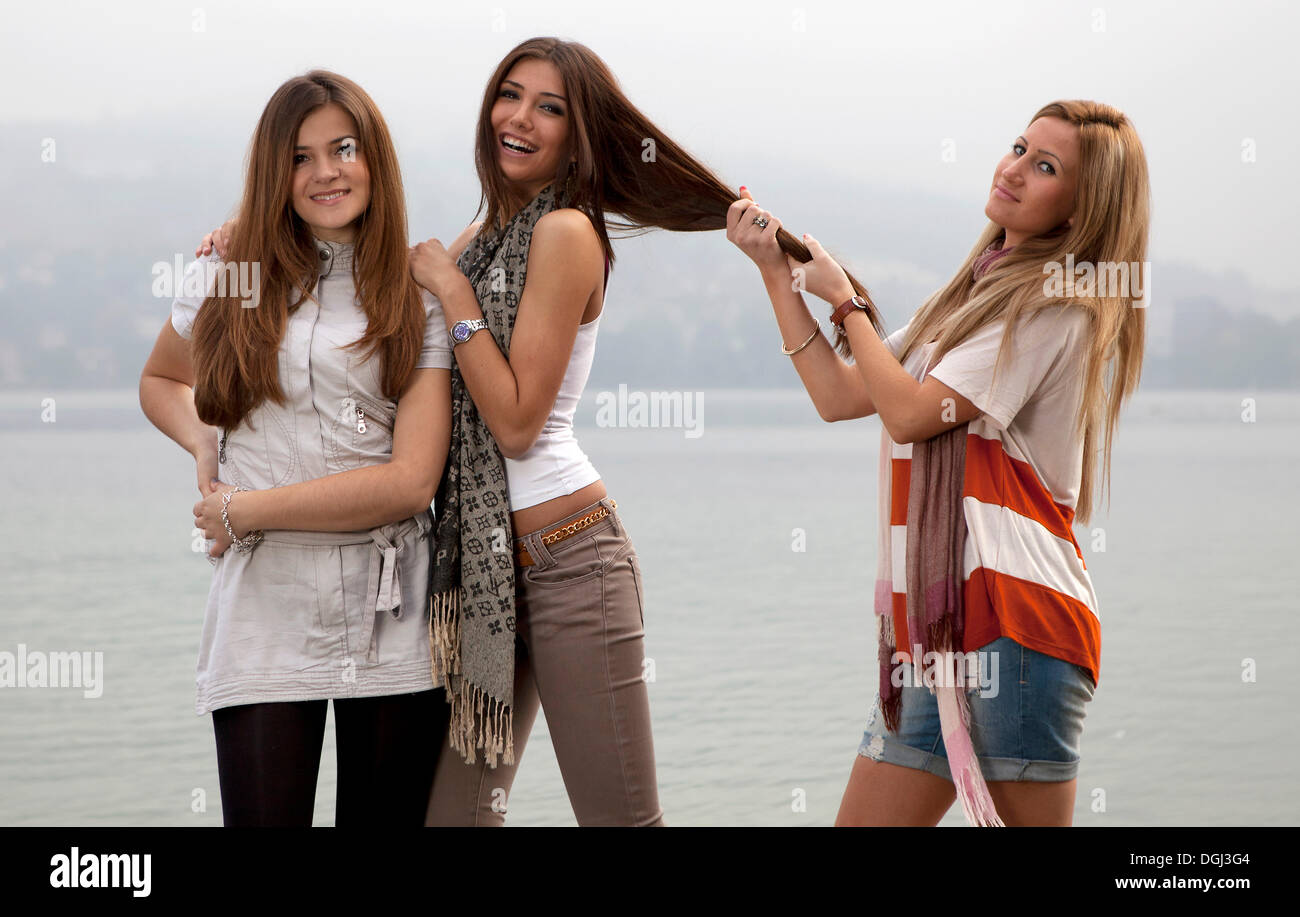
(472, 581)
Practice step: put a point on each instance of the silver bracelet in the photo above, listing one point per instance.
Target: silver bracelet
(249, 541)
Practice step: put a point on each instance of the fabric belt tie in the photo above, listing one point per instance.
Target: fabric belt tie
(384, 582)
(383, 591)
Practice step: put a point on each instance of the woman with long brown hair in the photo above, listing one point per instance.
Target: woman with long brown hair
(321, 400)
(995, 400)
(554, 616)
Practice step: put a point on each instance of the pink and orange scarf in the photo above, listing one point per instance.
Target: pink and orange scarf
(936, 542)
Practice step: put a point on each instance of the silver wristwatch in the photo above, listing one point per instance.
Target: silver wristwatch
(461, 331)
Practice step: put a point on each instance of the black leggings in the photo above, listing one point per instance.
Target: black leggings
(268, 757)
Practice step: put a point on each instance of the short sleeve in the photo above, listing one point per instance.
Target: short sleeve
(436, 353)
(190, 294)
(1043, 349)
(895, 341)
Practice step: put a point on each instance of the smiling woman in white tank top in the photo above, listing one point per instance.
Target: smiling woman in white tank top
(555, 465)
(556, 131)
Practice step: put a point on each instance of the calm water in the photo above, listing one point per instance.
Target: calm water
(763, 655)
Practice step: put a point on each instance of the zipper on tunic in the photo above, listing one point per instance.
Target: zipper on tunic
(354, 410)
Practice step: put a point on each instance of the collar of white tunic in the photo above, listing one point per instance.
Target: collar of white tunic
(334, 256)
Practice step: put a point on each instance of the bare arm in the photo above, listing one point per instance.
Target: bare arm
(167, 399)
(835, 387)
(365, 497)
(515, 393)
(911, 411)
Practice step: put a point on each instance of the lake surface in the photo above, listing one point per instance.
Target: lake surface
(764, 659)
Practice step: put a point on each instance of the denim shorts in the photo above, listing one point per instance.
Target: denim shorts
(1025, 723)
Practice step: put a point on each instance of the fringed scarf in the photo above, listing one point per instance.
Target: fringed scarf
(936, 544)
(472, 581)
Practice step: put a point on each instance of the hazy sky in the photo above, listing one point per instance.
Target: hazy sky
(876, 91)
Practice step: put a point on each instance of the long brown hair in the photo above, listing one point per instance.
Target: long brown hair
(629, 175)
(1111, 220)
(236, 349)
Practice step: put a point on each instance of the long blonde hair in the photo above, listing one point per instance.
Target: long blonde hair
(1109, 226)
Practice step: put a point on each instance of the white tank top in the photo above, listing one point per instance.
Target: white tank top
(556, 466)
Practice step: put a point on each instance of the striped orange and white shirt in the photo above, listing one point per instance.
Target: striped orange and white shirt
(1024, 572)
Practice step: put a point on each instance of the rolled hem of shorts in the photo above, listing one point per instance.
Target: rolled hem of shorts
(1017, 770)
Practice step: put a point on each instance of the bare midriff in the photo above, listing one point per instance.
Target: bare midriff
(532, 518)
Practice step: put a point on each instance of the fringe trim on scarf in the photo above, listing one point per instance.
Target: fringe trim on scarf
(478, 720)
(891, 698)
(954, 720)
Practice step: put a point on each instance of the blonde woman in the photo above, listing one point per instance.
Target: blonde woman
(993, 401)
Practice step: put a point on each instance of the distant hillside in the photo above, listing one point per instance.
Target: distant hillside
(684, 311)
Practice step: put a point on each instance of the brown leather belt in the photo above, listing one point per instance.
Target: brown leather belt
(565, 531)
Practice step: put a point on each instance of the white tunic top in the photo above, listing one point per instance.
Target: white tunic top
(311, 615)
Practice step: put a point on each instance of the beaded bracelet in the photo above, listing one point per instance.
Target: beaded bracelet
(249, 541)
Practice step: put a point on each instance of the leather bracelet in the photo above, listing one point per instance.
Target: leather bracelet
(790, 353)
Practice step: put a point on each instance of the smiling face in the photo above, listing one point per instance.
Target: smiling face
(530, 122)
(1034, 185)
(331, 185)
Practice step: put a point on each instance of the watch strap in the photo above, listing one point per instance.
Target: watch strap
(838, 316)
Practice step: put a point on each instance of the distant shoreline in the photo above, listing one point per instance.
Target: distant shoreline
(119, 409)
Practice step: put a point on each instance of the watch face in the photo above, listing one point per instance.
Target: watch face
(460, 331)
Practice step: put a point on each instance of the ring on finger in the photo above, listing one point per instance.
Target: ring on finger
(761, 222)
